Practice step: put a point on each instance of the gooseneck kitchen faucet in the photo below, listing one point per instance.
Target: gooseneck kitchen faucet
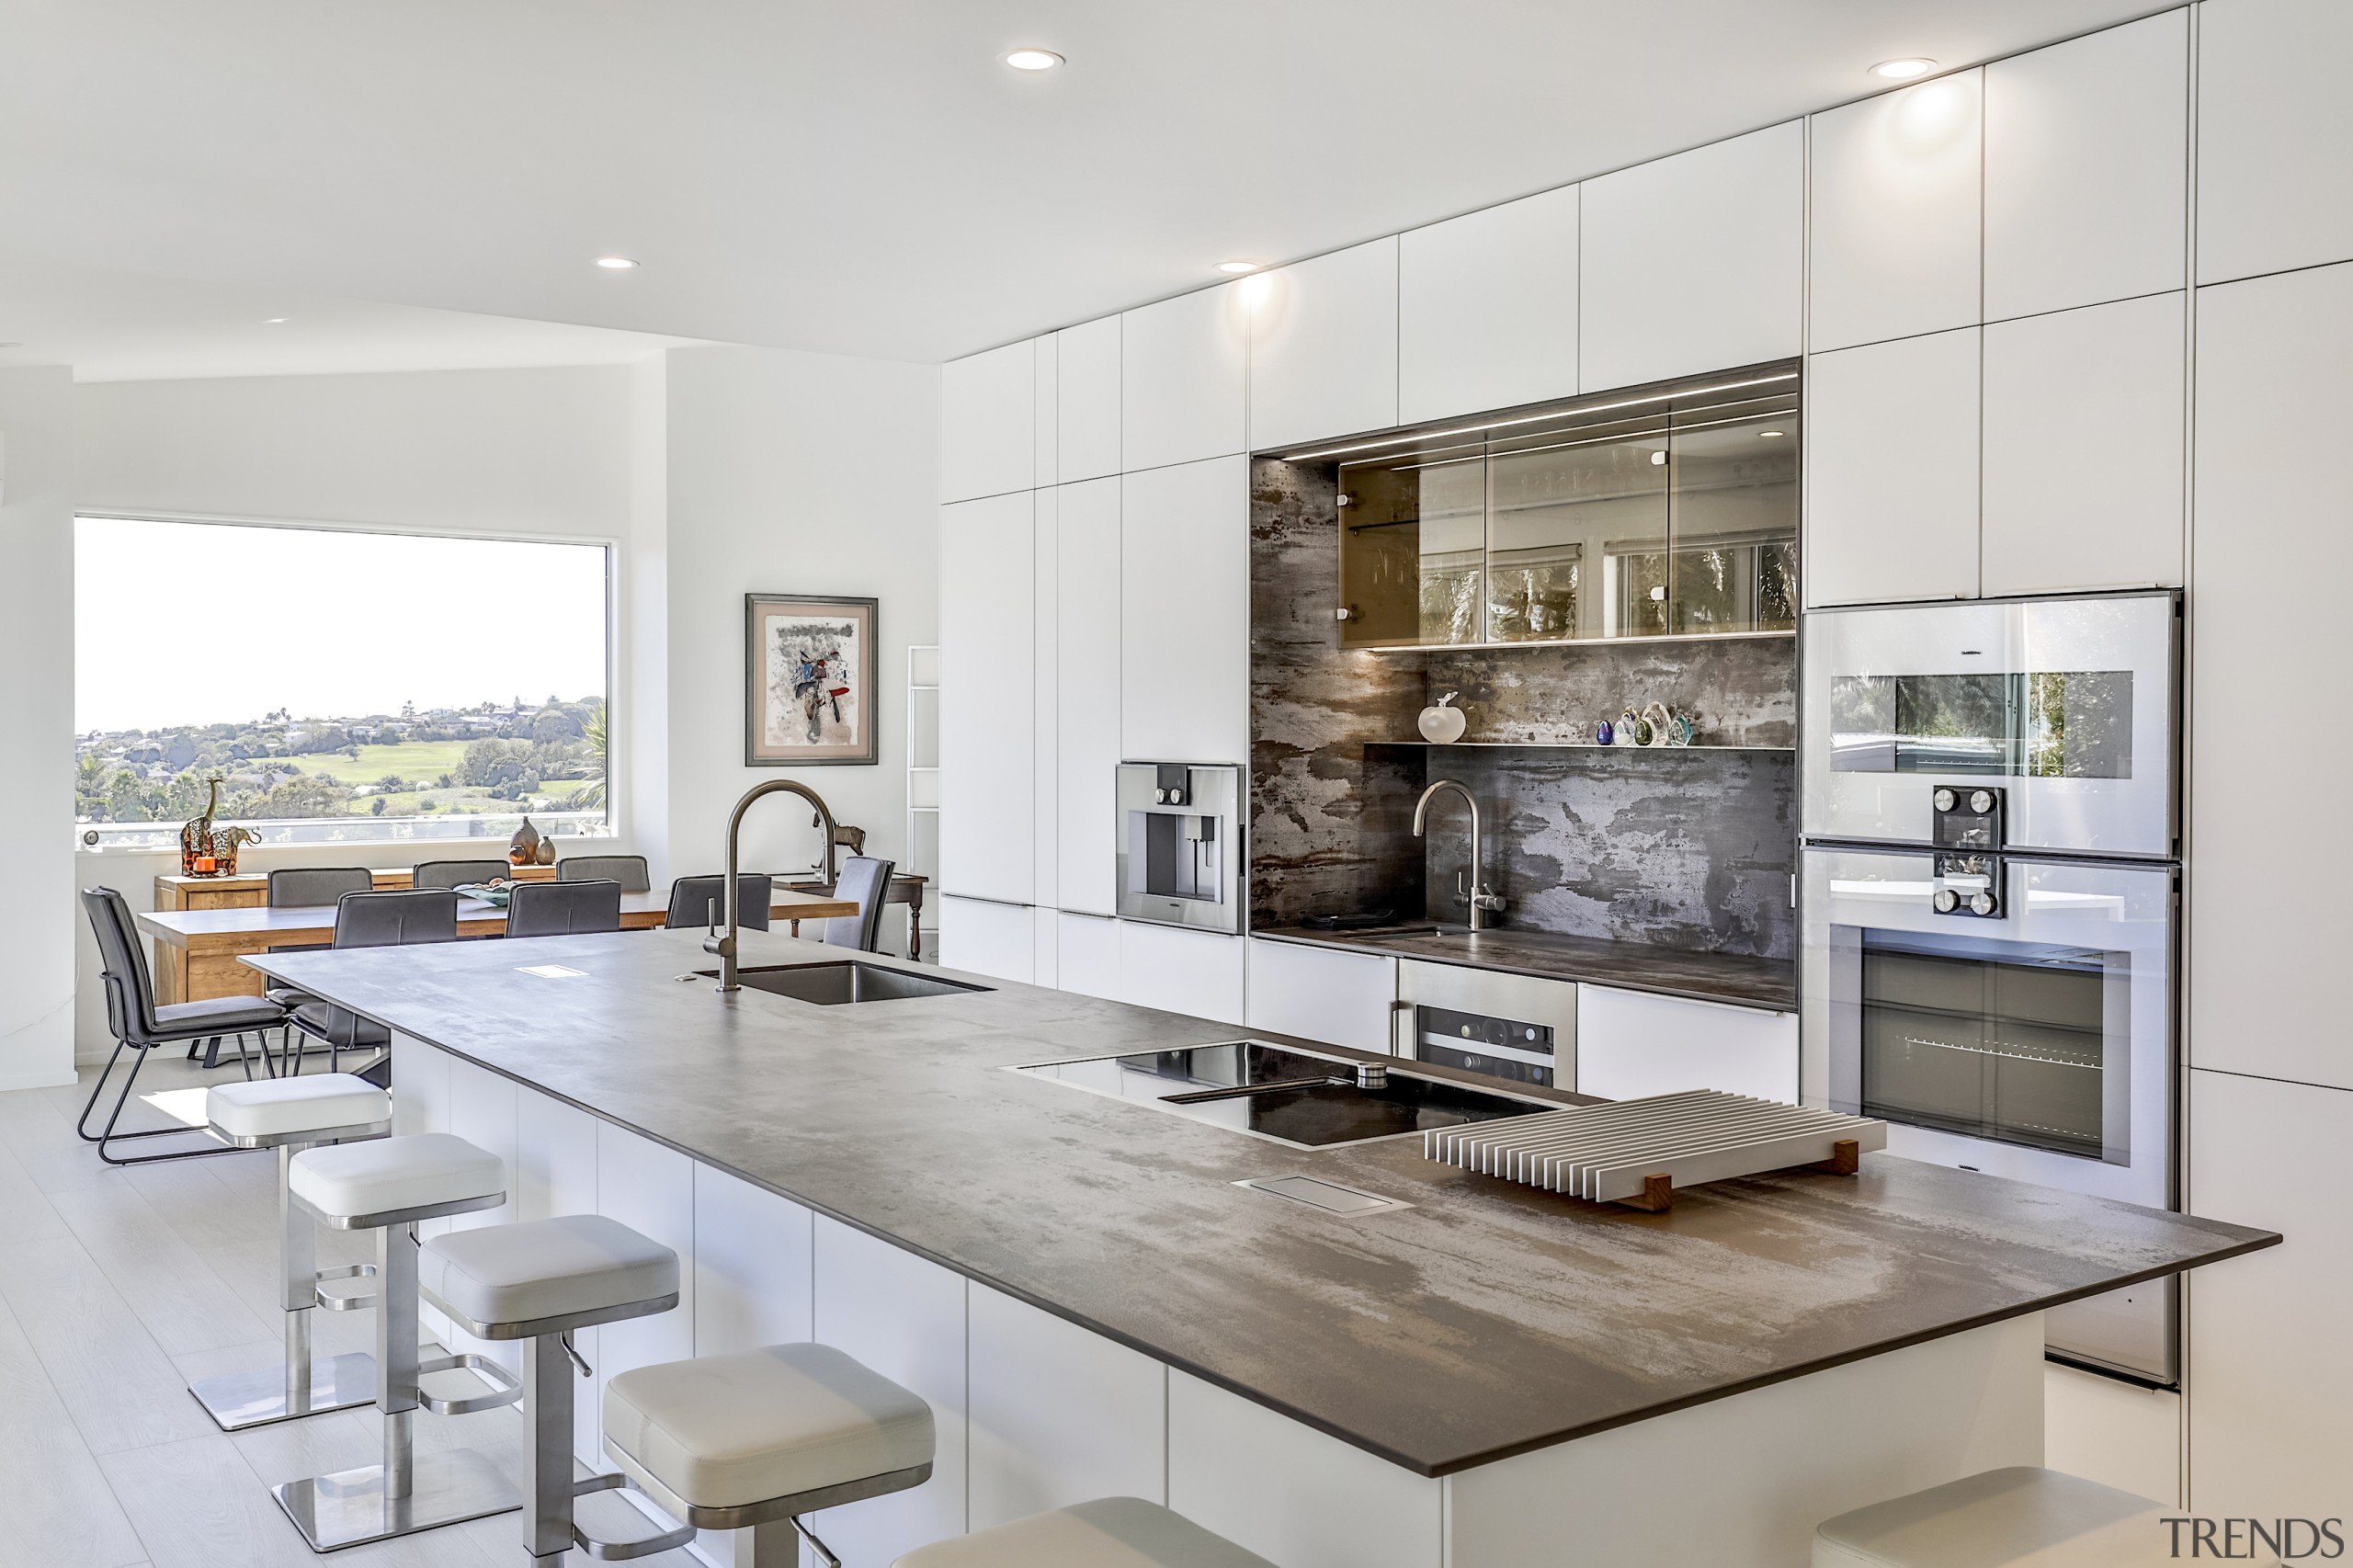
(725, 946)
(1481, 899)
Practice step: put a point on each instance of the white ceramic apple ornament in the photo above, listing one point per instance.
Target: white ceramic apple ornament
(1441, 723)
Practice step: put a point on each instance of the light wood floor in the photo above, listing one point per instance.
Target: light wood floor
(116, 1286)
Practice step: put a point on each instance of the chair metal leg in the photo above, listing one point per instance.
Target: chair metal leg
(107, 1135)
(407, 1492)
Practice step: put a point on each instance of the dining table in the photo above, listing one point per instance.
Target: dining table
(206, 944)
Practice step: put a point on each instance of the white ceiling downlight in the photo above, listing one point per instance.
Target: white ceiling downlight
(1033, 58)
(1904, 70)
(615, 263)
(1236, 268)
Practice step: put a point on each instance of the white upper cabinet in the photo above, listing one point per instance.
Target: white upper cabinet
(1086, 700)
(2275, 136)
(1182, 378)
(1897, 202)
(1487, 309)
(2087, 169)
(1089, 416)
(988, 423)
(1324, 345)
(1891, 432)
(2274, 403)
(987, 702)
(2084, 433)
(1694, 263)
(1184, 613)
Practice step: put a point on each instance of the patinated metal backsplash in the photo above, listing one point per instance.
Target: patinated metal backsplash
(1692, 849)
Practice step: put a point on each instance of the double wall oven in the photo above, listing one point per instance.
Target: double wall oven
(1991, 901)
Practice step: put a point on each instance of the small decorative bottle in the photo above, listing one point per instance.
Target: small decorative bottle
(523, 849)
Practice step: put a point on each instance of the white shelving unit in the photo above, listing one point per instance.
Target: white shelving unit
(923, 785)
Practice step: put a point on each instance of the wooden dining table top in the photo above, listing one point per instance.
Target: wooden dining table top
(257, 930)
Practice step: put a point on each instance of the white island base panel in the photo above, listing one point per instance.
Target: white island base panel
(1035, 1413)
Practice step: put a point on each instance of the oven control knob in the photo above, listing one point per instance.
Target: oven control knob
(1945, 901)
(1981, 903)
(1981, 800)
(1945, 799)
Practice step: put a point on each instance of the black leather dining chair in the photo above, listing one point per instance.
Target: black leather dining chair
(563, 909)
(458, 873)
(868, 881)
(698, 903)
(309, 887)
(139, 1026)
(397, 917)
(629, 871)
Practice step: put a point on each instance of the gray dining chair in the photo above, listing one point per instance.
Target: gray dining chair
(868, 881)
(397, 917)
(139, 1026)
(563, 909)
(458, 873)
(697, 902)
(309, 887)
(629, 871)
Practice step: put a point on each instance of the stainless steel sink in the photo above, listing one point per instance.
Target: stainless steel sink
(832, 984)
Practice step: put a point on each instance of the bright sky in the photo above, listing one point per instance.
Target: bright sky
(201, 623)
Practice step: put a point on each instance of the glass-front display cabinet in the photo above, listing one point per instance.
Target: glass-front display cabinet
(1663, 512)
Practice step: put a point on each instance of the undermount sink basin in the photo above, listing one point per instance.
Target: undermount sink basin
(832, 984)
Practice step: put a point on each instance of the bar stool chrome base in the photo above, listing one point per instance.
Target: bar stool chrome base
(349, 1508)
(238, 1400)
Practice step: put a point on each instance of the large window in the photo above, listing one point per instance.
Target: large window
(331, 685)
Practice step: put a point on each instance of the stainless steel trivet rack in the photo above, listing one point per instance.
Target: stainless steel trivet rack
(1638, 1151)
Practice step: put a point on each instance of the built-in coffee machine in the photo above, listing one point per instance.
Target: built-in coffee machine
(1180, 843)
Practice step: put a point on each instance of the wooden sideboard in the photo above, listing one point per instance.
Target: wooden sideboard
(183, 976)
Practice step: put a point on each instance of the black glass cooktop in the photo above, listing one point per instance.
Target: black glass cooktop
(1278, 1092)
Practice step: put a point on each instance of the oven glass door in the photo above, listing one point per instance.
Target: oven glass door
(2065, 704)
(2036, 1044)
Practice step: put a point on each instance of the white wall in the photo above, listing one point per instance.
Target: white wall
(792, 473)
(37, 714)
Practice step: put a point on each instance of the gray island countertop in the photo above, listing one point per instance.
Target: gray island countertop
(1486, 1321)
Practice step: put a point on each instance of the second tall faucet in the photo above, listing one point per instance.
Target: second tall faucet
(1481, 899)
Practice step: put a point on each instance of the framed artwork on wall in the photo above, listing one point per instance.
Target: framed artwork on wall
(808, 680)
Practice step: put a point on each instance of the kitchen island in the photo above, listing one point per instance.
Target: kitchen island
(1490, 1377)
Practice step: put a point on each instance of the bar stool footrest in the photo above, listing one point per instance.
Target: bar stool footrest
(505, 1388)
(335, 1303)
(622, 1550)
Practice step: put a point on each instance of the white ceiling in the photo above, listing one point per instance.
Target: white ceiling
(864, 178)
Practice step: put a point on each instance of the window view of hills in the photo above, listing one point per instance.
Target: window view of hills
(492, 759)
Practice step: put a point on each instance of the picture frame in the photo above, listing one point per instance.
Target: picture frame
(809, 680)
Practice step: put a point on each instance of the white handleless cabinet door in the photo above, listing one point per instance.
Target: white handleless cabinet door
(1320, 994)
(1891, 432)
(1087, 955)
(1059, 1415)
(2084, 436)
(983, 938)
(2275, 137)
(1182, 379)
(988, 423)
(2265, 935)
(1194, 972)
(1088, 396)
(1184, 613)
(987, 698)
(1086, 718)
(2087, 169)
(1694, 263)
(1324, 345)
(1631, 1043)
(1895, 203)
(1487, 309)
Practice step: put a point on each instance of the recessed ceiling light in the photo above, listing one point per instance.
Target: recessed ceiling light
(1237, 267)
(1904, 70)
(1033, 58)
(1770, 435)
(274, 320)
(616, 262)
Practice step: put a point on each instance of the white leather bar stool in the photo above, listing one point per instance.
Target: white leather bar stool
(291, 1114)
(758, 1439)
(2020, 1518)
(387, 1185)
(537, 1281)
(1110, 1532)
